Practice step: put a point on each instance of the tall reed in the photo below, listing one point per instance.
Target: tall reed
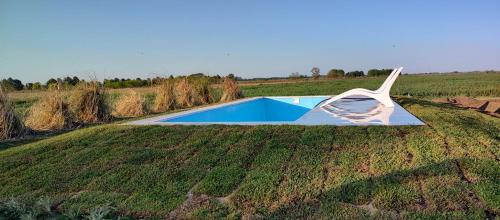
(130, 104)
(165, 96)
(49, 113)
(88, 103)
(11, 125)
(230, 90)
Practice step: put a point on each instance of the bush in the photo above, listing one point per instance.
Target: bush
(11, 125)
(165, 96)
(231, 90)
(88, 103)
(185, 94)
(355, 74)
(335, 73)
(130, 104)
(377, 72)
(49, 113)
(202, 89)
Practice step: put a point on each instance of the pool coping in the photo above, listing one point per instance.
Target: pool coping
(157, 120)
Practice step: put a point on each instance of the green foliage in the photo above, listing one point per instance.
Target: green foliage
(355, 74)
(335, 73)
(125, 83)
(377, 72)
(11, 84)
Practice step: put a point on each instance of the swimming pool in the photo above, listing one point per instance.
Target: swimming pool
(294, 110)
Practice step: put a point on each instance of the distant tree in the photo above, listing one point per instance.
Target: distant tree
(51, 81)
(315, 72)
(37, 86)
(197, 75)
(230, 76)
(377, 72)
(294, 75)
(335, 73)
(355, 74)
(11, 84)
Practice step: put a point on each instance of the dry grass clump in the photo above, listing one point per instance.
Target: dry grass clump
(185, 94)
(49, 113)
(10, 124)
(130, 104)
(165, 96)
(230, 90)
(88, 103)
(202, 89)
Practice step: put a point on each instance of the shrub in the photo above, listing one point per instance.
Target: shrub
(377, 72)
(88, 103)
(355, 74)
(11, 125)
(202, 88)
(185, 93)
(49, 113)
(335, 73)
(130, 104)
(165, 96)
(231, 90)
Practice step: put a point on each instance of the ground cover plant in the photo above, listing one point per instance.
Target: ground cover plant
(448, 169)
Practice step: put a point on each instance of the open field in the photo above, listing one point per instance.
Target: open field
(448, 169)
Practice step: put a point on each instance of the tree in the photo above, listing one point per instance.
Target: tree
(11, 84)
(295, 75)
(51, 81)
(355, 74)
(315, 72)
(335, 73)
(377, 72)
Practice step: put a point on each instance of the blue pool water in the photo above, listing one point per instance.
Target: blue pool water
(290, 110)
(275, 109)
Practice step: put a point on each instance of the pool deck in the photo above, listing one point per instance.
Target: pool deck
(346, 112)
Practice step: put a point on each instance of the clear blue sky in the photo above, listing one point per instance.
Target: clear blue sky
(251, 38)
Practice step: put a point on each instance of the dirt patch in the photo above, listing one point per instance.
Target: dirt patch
(488, 106)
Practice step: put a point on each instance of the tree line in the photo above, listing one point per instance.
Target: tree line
(340, 73)
(11, 84)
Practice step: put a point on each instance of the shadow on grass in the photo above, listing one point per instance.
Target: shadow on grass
(390, 197)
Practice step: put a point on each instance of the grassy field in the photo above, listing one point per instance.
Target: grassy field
(448, 169)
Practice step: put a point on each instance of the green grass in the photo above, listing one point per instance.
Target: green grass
(422, 86)
(448, 169)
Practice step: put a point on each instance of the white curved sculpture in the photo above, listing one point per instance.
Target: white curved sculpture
(378, 114)
(381, 94)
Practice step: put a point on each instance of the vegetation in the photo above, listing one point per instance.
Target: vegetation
(355, 74)
(165, 96)
(50, 113)
(11, 84)
(315, 73)
(335, 73)
(88, 103)
(377, 72)
(130, 104)
(231, 90)
(11, 125)
(447, 169)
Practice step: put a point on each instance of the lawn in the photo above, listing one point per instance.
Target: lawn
(447, 169)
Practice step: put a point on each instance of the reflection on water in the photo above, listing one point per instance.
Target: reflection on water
(360, 111)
